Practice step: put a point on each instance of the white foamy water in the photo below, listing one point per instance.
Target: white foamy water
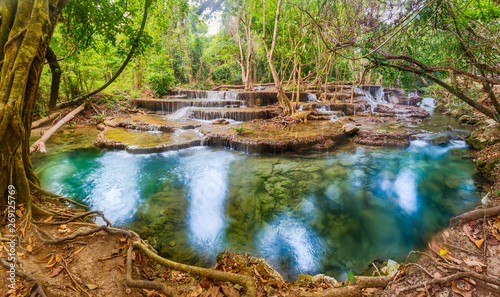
(289, 236)
(205, 175)
(115, 188)
(406, 190)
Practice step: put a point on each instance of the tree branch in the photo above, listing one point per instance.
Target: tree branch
(135, 44)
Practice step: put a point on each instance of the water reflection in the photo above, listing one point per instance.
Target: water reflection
(305, 214)
(205, 175)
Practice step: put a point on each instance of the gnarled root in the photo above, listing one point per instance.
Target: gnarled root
(109, 230)
(85, 214)
(242, 280)
(476, 214)
(37, 286)
(151, 285)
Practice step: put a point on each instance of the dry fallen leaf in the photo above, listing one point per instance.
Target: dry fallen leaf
(29, 248)
(468, 232)
(478, 266)
(479, 242)
(495, 230)
(443, 251)
(19, 213)
(91, 286)
(63, 229)
(438, 275)
(48, 219)
(460, 291)
(56, 271)
(196, 292)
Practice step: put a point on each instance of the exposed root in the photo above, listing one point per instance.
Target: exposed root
(65, 265)
(54, 197)
(372, 281)
(476, 214)
(109, 230)
(151, 285)
(241, 280)
(99, 213)
(38, 285)
(348, 291)
(452, 277)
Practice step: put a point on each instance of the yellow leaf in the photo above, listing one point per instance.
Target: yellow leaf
(479, 242)
(443, 251)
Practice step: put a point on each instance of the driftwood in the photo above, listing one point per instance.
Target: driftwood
(39, 145)
(476, 214)
(46, 119)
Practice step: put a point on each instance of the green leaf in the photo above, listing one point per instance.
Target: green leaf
(350, 277)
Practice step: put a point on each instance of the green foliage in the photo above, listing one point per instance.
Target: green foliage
(97, 119)
(350, 277)
(161, 77)
(241, 130)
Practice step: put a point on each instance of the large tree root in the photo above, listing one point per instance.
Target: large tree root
(348, 291)
(94, 212)
(452, 277)
(39, 145)
(38, 285)
(52, 197)
(151, 285)
(354, 289)
(476, 214)
(109, 230)
(242, 280)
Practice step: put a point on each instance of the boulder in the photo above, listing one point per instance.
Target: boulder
(350, 129)
(441, 140)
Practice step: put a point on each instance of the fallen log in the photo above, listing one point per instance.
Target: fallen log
(46, 119)
(39, 145)
(476, 214)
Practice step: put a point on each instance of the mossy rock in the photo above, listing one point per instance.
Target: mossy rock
(487, 168)
(441, 140)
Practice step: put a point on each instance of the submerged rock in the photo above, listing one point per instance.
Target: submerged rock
(441, 140)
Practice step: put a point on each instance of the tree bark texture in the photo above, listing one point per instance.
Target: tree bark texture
(28, 36)
(55, 69)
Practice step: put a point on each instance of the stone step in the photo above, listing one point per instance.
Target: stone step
(346, 108)
(237, 114)
(172, 105)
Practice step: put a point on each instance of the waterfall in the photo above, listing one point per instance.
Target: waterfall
(181, 114)
(374, 95)
(327, 110)
(428, 102)
(312, 98)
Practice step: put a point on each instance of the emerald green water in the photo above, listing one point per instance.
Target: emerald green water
(323, 213)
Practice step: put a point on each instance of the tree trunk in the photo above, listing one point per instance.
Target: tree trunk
(55, 69)
(24, 56)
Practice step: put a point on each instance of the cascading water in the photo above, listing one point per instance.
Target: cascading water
(181, 114)
(374, 95)
(428, 102)
(333, 114)
(312, 98)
